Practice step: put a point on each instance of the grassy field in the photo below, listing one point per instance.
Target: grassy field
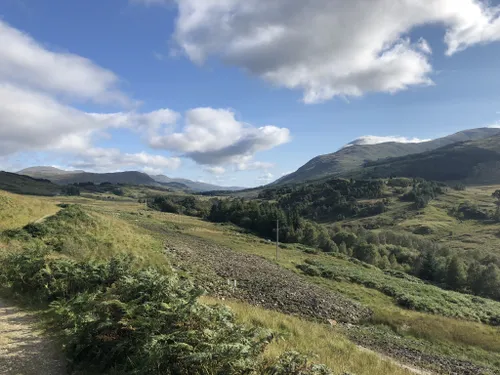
(17, 210)
(323, 343)
(126, 226)
(442, 335)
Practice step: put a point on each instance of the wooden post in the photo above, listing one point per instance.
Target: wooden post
(277, 237)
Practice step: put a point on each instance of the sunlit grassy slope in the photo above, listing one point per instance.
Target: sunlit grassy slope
(127, 226)
(18, 210)
(463, 339)
(323, 343)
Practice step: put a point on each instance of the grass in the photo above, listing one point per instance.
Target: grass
(126, 225)
(17, 210)
(441, 335)
(84, 234)
(322, 343)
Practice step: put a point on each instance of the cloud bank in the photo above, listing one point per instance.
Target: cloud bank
(43, 86)
(329, 48)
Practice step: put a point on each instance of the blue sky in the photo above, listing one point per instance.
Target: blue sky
(236, 92)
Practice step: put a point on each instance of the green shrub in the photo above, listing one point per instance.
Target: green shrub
(293, 363)
(119, 320)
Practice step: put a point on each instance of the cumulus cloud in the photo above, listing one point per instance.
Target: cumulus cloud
(105, 159)
(215, 170)
(374, 139)
(265, 178)
(47, 124)
(253, 165)
(25, 61)
(329, 48)
(215, 137)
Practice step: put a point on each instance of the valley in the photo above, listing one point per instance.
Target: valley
(440, 331)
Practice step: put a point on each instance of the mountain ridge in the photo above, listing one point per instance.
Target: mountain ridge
(355, 156)
(64, 177)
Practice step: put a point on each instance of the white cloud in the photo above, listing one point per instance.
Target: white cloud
(253, 165)
(105, 159)
(374, 139)
(46, 124)
(215, 137)
(216, 170)
(25, 61)
(331, 48)
(265, 178)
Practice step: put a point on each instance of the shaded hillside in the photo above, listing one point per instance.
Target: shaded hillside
(63, 177)
(474, 162)
(27, 185)
(194, 185)
(352, 157)
(60, 177)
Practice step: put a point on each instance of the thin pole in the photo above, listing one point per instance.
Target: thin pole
(277, 237)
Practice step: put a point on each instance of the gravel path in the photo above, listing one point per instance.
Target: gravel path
(23, 349)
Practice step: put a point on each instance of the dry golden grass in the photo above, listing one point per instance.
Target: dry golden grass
(322, 343)
(18, 210)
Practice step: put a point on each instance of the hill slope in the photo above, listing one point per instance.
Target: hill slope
(61, 177)
(194, 185)
(353, 156)
(473, 162)
(26, 185)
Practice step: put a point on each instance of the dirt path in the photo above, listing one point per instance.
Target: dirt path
(23, 349)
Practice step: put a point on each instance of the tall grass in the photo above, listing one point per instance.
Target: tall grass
(17, 210)
(324, 344)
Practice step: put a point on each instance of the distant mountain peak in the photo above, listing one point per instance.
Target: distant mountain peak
(371, 148)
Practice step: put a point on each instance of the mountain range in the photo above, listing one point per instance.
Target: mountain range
(343, 162)
(62, 177)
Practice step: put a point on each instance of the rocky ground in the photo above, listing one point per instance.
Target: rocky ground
(23, 349)
(261, 282)
(408, 351)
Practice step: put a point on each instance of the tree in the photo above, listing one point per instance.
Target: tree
(310, 234)
(71, 190)
(367, 253)
(330, 247)
(490, 282)
(348, 238)
(496, 195)
(393, 260)
(474, 277)
(343, 248)
(456, 275)
(384, 263)
(324, 240)
(429, 267)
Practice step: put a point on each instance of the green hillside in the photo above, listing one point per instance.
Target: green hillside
(474, 162)
(27, 185)
(354, 156)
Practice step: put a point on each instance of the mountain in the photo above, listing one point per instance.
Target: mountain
(27, 185)
(43, 171)
(61, 177)
(471, 162)
(355, 155)
(195, 185)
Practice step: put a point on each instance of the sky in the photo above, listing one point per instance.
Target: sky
(237, 92)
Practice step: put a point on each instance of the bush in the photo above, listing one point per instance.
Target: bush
(119, 320)
(293, 363)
